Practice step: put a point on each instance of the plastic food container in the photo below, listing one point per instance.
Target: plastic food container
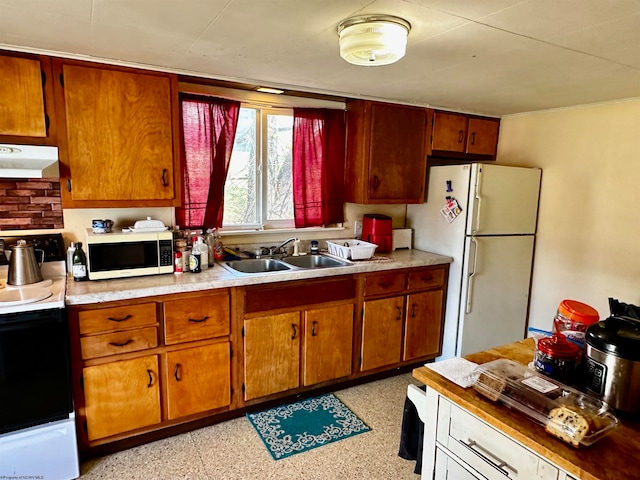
(572, 416)
(557, 357)
(351, 249)
(573, 318)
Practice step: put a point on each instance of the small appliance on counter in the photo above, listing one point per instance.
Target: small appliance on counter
(612, 357)
(378, 229)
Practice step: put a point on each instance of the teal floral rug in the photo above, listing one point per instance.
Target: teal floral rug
(300, 426)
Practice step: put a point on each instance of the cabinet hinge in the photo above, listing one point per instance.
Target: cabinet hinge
(62, 80)
(243, 331)
(47, 122)
(243, 388)
(43, 76)
(230, 392)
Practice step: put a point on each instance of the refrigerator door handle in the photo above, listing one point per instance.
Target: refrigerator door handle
(472, 274)
(475, 228)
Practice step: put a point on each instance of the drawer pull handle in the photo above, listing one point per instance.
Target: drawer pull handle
(313, 328)
(427, 279)
(484, 454)
(399, 317)
(295, 331)
(413, 310)
(195, 320)
(150, 373)
(385, 284)
(121, 344)
(460, 136)
(126, 317)
(176, 372)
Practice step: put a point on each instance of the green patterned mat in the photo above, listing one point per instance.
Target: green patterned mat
(301, 426)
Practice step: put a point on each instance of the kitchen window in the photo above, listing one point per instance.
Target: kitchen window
(259, 186)
(252, 166)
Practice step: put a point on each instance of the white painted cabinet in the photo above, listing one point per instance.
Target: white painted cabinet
(458, 445)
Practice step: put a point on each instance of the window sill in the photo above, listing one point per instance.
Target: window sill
(270, 231)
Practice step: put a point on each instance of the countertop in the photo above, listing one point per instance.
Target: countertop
(613, 457)
(98, 291)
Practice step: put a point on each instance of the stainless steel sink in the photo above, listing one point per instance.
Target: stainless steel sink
(256, 265)
(316, 261)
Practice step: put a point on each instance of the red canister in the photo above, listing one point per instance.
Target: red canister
(573, 318)
(557, 357)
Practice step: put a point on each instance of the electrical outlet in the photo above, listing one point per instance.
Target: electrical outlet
(357, 229)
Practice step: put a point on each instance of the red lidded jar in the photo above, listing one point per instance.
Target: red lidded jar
(573, 318)
(557, 357)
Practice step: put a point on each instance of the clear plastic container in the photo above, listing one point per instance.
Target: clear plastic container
(575, 417)
(573, 318)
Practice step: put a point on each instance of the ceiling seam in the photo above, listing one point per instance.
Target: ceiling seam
(209, 26)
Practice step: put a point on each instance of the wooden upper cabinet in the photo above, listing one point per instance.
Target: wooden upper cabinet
(386, 153)
(462, 136)
(25, 103)
(121, 146)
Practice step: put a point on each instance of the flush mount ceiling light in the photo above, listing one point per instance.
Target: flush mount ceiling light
(275, 91)
(372, 40)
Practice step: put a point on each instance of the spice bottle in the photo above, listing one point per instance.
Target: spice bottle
(177, 262)
(218, 253)
(79, 268)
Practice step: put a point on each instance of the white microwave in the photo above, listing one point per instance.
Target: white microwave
(121, 254)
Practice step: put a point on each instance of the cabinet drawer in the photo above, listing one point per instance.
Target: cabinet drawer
(117, 318)
(196, 318)
(490, 452)
(119, 342)
(381, 284)
(431, 278)
(448, 469)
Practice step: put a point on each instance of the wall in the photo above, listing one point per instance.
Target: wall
(588, 242)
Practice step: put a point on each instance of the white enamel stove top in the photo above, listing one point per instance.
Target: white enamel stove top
(37, 296)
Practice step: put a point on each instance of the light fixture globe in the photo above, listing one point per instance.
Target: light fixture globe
(372, 40)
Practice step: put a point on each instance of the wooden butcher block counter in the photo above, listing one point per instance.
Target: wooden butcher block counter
(613, 457)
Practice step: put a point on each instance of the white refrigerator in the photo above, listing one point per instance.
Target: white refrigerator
(484, 216)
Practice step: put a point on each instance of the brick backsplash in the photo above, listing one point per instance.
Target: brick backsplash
(30, 204)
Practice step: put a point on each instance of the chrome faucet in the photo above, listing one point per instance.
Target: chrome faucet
(278, 249)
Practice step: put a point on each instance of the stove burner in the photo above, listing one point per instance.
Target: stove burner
(44, 283)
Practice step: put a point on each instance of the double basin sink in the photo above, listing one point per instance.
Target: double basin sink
(254, 266)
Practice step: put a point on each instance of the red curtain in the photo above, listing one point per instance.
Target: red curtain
(208, 131)
(318, 166)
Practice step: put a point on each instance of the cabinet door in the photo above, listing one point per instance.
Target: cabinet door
(271, 354)
(423, 326)
(328, 344)
(449, 132)
(482, 136)
(22, 110)
(198, 379)
(382, 332)
(397, 163)
(119, 135)
(121, 396)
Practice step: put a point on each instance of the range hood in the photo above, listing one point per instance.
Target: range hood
(28, 161)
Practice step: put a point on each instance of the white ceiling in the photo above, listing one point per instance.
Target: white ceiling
(492, 57)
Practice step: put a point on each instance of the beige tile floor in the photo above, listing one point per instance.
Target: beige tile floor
(233, 450)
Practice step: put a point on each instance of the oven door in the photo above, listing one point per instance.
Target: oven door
(35, 369)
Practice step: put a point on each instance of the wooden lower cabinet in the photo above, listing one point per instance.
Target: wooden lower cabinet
(121, 396)
(197, 379)
(271, 354)
(382, 332)
(328, 343)
(423, 325)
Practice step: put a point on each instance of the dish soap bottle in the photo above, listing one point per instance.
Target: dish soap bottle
(79, 268)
